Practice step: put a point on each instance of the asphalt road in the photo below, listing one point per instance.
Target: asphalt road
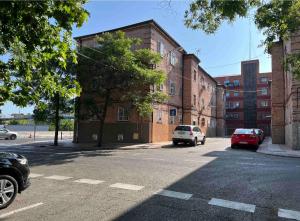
(210, 182)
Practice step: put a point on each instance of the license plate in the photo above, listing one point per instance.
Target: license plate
(181, 132)
(243, 142)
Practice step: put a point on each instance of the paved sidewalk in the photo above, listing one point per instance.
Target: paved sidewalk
(277, 149)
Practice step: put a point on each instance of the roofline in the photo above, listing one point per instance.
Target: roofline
(151, 21)
(207, 74)
(224, 76)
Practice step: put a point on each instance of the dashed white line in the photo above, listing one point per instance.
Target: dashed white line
(289, 214)
(89, 181)
(20, 210)
(174, 194)
(126, 186)
(35, 175)
(232, 205)
(57, 177)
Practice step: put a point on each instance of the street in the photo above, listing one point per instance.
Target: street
(206, 182)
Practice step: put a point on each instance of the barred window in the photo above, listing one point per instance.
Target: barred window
(122, 114)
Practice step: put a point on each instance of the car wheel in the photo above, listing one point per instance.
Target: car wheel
(203, 141)
(175, 143)
(13, 137)
(194, 143)
(8, 190)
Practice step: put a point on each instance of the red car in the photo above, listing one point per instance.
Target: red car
(244, 137)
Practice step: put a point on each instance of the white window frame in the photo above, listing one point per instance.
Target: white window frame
(160, 48)
(123, 114)
(172, 58)
(264, 91)
(264, 103)
(263, 81)
(159, 116)
(236, 82)
(172, 88)
(236, 94)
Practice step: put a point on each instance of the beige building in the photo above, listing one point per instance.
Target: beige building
(285, 95)
(194, 96)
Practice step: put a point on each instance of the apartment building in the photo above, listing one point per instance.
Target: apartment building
(285, 94)
(248, 98)
(194, 96)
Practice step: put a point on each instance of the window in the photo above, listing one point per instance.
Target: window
(95, 84)
(202, 122)
(236, 83)
(195, 75)
(172, 90)
(172, 58)
(226, 83)
(236, 116)
(194, 100)
(236, 104)
(160, 48)
(159, 116)
(236, 94)
(264, 91)
(172, 119)
(264, 104)
(161, 87)
(122, 114)
(264, 80)
(202, 103)
(227, 94)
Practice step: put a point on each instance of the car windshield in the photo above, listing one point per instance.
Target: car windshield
(243, 131)
(183, 128)
(257, 131)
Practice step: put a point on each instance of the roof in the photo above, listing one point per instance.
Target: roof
(207, 74)
(147, 22)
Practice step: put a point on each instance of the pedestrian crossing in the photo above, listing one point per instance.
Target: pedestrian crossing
(214, 202)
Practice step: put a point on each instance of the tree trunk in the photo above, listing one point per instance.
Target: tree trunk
(102, 119)
(56, 119)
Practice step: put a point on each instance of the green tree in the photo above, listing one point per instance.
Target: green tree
(34, 34)
(276, 18)
(115, 70)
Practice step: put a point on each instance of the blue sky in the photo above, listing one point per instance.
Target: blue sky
(220, 53)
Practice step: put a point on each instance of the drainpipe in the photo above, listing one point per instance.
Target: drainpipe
(182, 88)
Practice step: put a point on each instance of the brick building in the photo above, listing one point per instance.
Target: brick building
(248, 98)
(285, 95)
(194, 96)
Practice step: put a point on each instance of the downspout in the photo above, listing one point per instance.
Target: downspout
(182, 88)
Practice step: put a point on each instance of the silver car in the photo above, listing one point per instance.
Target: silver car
(7, 134)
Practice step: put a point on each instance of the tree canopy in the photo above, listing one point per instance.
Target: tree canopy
(276, 18)
(35, 40)
(116, 69)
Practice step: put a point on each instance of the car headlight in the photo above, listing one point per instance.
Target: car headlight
(22, 161)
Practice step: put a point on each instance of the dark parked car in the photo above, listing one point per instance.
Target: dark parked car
(244, 137)
(14, 173)
(260, 134)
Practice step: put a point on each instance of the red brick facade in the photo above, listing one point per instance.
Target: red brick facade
(260, 94)
(192, 95)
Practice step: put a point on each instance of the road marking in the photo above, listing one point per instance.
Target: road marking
(174, 194)
(289, 214)
(35, 175)
(126, 186)
(57, 177)
(252, 164)
(89, 181)
(20, 210)
(232, 205)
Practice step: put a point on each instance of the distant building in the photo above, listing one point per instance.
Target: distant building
(285, 94)
(194, 96)
(21, 116)
(248, 98)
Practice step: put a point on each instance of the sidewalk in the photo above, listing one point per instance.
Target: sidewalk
(277, 149)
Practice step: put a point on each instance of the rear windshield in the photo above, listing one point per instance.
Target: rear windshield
(243, 131)
(183, 128)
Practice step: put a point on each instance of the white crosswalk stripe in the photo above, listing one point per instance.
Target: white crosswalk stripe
(289, 214)
(126, 186)
(57, 177)
(89, 181)
(232, 205)
(35, 175)
(174, 194)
